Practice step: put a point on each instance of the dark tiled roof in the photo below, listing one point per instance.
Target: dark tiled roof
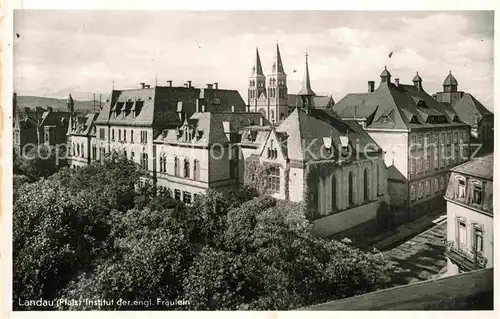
(158, 106)
(52, 118)
(319, 101)
(468, 108)
(395, 107)
(394, 174)
(479, 167)
(212, 127)
(309, 130)
(472, 290)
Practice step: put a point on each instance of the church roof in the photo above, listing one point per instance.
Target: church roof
(306, 82)
(450, 80)
(257, 67)
(417, 78)
(470, 110)
(393, 106)
(278, 63)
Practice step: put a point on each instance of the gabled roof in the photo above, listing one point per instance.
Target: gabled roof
(409, 104)
(468, 107)
(52, 118)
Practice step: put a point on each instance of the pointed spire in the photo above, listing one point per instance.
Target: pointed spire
(306, 83)
(278, 63)
(257, 67)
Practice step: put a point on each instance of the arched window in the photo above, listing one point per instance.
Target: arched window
(351, 188)
(119, 135)
(132, 136)
(186, 168)
(78, 149)
(125, 135)
(176, 166)
(366, 195)
(334, 193)
(113, 134)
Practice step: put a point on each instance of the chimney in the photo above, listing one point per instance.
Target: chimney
(197, 105)
(142, 85)
(210, 86)
(216, 85)
(169, 83)
(261, 120)
(371, 86)
(189, 84)
(49, 109)
(232, 108)
(396, 80)
(203, 107)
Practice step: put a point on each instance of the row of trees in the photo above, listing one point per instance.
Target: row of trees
(92, 234)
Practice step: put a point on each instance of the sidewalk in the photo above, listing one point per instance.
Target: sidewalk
(392, 238)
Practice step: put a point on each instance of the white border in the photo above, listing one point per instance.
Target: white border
(6, 146)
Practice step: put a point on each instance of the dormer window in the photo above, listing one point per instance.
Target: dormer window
(461, 188)
(421, 104)
(414, 120)
(477, 193)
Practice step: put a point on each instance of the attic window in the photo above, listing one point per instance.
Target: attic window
(414, 120)
(456, 119)
(421, 104)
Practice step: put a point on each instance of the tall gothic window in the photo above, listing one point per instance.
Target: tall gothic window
(365, 185)
(351, 188)
(176, 166)
(334, 193)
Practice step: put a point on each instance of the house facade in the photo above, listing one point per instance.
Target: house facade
(203, 153)
(132, 119)
(314, 157)
(421, 139)
(469, 198)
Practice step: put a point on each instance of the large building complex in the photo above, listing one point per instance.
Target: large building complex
(421, 138)
(470, 216)
(314, 157)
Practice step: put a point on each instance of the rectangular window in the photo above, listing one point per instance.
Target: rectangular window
(177, 194)
(455, 137)
(477, 197)
(436, 185)
(196, 197)
(196, 170)
(274, 178)
(412, 190)
(461, 234)
(477, 244)
(132, 136)
(441, 182)
(427, 188)
(112, 134)
(427, 161)
(461, 189)
(412, 166)
(419, 165)
(102, 134)
(413, 141)
(186, 168)
(448, 138)
(436, 159)
(186, 198)
(176, 166)
(420, 189)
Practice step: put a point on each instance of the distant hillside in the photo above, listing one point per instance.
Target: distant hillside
(56, 104)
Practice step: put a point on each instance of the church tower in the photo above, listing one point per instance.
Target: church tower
(450, 94)
(277, 90)
(306, 93)
(71, 113)
(257, 97)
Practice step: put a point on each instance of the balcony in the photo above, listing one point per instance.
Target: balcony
(468, 259)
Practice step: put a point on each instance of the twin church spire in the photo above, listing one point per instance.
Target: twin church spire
(269, 94)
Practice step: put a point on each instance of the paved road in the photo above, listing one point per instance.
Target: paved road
(422, 257)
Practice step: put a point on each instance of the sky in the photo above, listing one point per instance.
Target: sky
(59, 52)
